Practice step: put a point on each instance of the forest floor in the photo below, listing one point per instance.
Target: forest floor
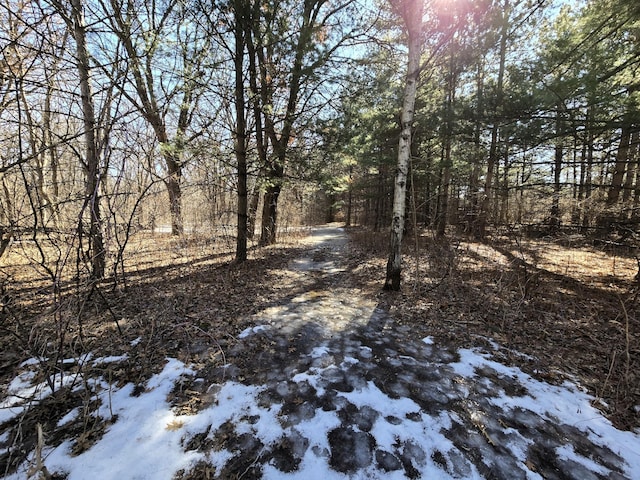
(509, 359)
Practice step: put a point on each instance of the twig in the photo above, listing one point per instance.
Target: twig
(627, 341)
(606, 380)
(251, 464)
(39, 467)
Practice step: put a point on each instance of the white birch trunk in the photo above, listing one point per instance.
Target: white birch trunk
(411, 12)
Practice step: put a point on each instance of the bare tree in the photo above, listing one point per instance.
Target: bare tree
(241, 10)
(143, 29)
(74, 17)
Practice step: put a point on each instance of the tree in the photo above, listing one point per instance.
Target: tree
(241, 13)
(411, 13)
(75, 20)
(92, 159)
(290, 44)
(495, 127)
(143, 30)
(586, 67)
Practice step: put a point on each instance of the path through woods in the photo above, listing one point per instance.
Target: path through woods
(327, 385)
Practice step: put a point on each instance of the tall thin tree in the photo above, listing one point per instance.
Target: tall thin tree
(411, 12)
(241, 14)
(75, 20)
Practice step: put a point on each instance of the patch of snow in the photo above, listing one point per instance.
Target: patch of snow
(252, 330)
(152, 451)
(69, 417)
(403, 432)
(32, 361)
(365, 352)
(567, 452)
(21, 382)
(135, 341)
(567, 404)
(319, 352)
(21, 393)
(372, 396)
(428, 340)
(110, 359)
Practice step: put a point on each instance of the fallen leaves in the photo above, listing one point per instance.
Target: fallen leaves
(566, 323)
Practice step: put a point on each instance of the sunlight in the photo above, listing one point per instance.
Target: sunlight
(447, 5)
(462, 10)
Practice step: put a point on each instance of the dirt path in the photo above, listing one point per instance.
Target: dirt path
(337, 388)
(324, 384)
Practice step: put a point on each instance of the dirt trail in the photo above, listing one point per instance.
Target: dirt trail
(343, 391)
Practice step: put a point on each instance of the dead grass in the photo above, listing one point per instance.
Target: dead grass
(183, 298)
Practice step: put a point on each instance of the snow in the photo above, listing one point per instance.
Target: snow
(22, 393)
(387, 409)
(31, 361)
(147, 439)
(109, 359)
(150, 449)
(566, 404)
(252, 330)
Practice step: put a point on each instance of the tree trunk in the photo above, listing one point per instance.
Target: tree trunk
(581, 187)
(261, 139)
(504, 191)
(588, 177)
(411, 12)
(446, 150)
(379, 196)
(95, 252)
(50, 157)
(554, 220)
(270, 215)
(636, 196)
(474, 177)
(252, 209)
(632, 166)
(520, 192)
(622, 157)
(349, 198)
(493, 148)
(441, 227)
(240, 134)
(174, 190)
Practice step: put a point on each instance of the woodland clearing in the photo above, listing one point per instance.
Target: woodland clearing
(498, 360)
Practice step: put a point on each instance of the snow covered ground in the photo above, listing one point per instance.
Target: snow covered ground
(381, 435)
(329, 387)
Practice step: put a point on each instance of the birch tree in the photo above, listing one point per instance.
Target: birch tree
(411, 13)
